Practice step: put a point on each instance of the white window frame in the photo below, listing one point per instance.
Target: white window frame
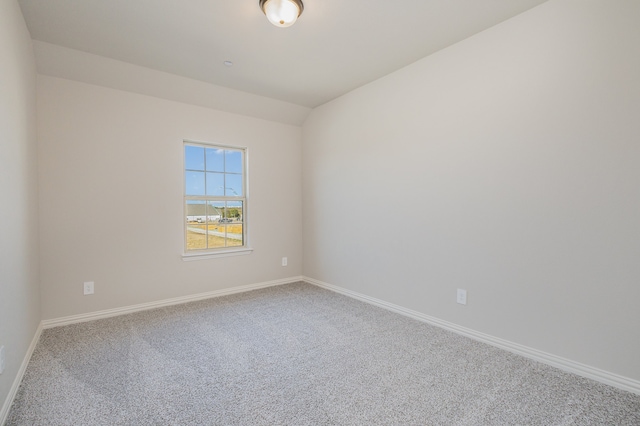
(188, 255)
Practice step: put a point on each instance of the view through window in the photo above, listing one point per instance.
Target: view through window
(215, 197)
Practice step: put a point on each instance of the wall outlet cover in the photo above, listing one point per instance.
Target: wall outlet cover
(88, 287)
(1, 359)
(462, 296)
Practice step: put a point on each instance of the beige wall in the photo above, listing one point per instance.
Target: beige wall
(19, 296)
(506, 165)
(111, 198)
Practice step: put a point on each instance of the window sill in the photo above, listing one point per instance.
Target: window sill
(213, 255)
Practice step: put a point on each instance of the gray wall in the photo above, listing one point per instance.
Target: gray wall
(111, 176)
(506, 165)
(19, 294)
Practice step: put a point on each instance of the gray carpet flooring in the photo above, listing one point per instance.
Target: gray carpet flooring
(295, 355)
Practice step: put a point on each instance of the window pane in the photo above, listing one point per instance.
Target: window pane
(234, 235)
(194, 183)
(215, 184)
(234, 210)
(233, 185)
(214, 211)
(234, 225)
(196, 222)
(233, 162)
(216, 237)
(193, 157)
(215, 160)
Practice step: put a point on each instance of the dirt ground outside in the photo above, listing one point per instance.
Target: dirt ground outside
(231, 228)
(197, 241)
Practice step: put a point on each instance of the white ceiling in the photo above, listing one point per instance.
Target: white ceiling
(336, 45)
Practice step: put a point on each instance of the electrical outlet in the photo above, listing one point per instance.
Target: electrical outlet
(462, 296)
(88, 287)
(284, 261)
(1, 359)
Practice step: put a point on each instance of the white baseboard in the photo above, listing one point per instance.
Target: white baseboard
(16, 382)
(91, 316)
(568, 365)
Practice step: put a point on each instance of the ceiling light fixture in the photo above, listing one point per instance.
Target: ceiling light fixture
(282, 13)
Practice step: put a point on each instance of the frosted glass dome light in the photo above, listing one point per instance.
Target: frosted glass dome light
(282, 13)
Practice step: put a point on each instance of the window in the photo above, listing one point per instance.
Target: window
(215, 201)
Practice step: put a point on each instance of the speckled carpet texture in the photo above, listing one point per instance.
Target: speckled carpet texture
(295, 355)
